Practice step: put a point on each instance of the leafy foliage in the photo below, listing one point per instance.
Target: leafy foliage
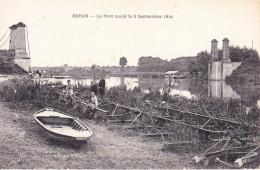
(156, 64)
(244, 55)
(7, 65)
(249, 70)
(123, 61)
(26, 94)
(201, 64)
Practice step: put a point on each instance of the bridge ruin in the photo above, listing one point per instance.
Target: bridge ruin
(18, 51)
(219, 70)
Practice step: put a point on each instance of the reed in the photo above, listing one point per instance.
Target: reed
(28, 94)
(32, 94)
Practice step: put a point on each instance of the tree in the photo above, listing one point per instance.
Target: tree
(122, 63)
(152, 64)
(203, 59)
(201, 64)
(249, 70)
(194, 69)
(93, 67)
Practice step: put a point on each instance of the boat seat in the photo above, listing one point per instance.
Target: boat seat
(78, 127)
(74, 127)
(73, 124)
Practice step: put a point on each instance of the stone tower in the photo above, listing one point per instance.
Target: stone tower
(18, 43)
(225, 51)
(214, 50)
(219, 70)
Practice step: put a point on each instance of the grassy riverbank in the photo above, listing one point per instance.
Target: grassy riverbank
(24, 145)
(28, 96)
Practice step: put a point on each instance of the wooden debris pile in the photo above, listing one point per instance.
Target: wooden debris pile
(229, 142)
(229, 132)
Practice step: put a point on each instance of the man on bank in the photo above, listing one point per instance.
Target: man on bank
(94, 87)
(102, 84)
(91, 107)
(69, 92)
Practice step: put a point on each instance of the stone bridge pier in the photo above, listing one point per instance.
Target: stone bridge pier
(219, 70)
(19, 43)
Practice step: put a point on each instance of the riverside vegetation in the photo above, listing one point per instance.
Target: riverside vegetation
(27, 94)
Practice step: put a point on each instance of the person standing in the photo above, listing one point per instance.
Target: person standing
(69, 88)
(93, 101)
(69, 91)
(91, 106)
(102, 85)
(94, 87)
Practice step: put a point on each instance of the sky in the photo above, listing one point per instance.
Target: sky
(56, 38)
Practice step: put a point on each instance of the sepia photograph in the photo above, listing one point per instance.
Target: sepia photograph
(130, 84)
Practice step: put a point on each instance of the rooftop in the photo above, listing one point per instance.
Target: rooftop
(20, 24)
(171, 72)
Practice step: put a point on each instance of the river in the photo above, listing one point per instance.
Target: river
(189, 88)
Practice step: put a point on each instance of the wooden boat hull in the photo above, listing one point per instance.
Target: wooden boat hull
(61, 126)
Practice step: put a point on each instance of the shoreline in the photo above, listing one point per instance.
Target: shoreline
(29, 97)
(25, 146)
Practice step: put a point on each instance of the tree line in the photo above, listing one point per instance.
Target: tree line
(248, 57)
(156, 64)
(195, 65)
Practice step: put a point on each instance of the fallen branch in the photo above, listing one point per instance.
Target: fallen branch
(171, 120)
(155, 134)
(120, 121)
(206, 116)
(248, 158)
(141, 127)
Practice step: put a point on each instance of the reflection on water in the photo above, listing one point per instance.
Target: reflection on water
(3, 79)
(178, 87)
(220, 89)
(122, 80)
(129, 82)
(6, 77)
(183, 93)
(189, 88)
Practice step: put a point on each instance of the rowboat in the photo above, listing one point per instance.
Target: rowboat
(61, 126)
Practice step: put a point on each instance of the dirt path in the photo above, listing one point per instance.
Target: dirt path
(23, 145)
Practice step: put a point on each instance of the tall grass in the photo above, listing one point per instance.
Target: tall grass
(28, 94)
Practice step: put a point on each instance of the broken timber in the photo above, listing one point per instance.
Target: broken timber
(141, 127)
(120, 121)
(207, 116)
(79, 101)
(209, 153)
(155, 134)
(247, 158)
(167, 119)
